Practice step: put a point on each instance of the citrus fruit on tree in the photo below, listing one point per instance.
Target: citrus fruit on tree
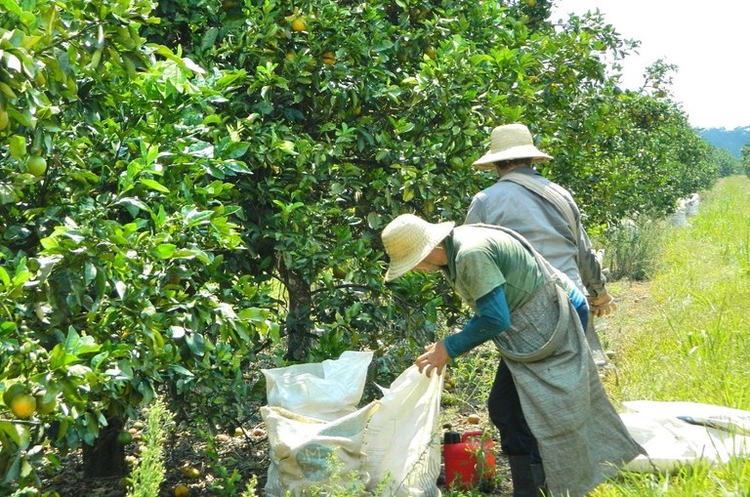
(12, 391)
(329, 58)
(124, 438)
(23, 405)
(43, 407)
(36, 165)
(298, 24)
(3, 119)
(17, 146)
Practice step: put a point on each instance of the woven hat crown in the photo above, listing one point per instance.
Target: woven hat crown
(408, 239)
(508, 142)
(509, 136)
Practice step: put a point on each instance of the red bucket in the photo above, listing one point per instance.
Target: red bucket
(465, 459)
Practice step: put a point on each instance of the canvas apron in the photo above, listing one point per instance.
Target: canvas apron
(581, 437)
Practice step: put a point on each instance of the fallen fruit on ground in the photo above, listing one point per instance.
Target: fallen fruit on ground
(191, 472)
(124, 438)
(181, 490)
(474, 419)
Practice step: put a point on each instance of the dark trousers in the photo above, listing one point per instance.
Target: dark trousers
(506, 414)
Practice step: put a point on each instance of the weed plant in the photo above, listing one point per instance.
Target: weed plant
(631, 249)
(148, 475)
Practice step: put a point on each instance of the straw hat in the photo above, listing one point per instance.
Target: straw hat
(511, 141)
(408, 239)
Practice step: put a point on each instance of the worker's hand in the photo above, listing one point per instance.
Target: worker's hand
(434, 359)
(604, 305)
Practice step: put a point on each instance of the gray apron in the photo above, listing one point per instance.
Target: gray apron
(581, 437)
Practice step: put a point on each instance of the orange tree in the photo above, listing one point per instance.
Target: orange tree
(359, 111)
(217, 180)
(115, 285)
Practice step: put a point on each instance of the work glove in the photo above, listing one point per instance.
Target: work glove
(603, 305)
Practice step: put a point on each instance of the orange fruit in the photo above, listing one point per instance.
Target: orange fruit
(37, 165)
(191, 472)
(298, 24)
(329, 58)
(3, 119)
(23, 405)
(474, 419)
(124, 438)
(43, 407)
(12, 391)
(181, 490)
(430, 52)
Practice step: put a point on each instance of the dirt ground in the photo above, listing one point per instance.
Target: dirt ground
(248, 453)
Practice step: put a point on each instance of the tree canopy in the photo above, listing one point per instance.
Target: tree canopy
(190, 189)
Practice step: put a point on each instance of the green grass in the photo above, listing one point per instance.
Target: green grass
(691, 342)
(694, 342)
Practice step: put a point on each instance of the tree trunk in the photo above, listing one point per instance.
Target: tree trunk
(299, 337)
(107, 456)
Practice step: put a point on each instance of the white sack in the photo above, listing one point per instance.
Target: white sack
(306, 452)
(402, 439)
(390, 446)
(324, 390)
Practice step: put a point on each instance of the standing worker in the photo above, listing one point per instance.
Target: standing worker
(547, 399)
(545, 214)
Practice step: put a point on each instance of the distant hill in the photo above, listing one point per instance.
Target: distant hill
(728, 139)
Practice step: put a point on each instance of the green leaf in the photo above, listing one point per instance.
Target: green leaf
(181, 370)
(134, 205)
(11, 6)
(165, 250)
(196, 344)
(4, 277)
(194, 217)
(153, 185)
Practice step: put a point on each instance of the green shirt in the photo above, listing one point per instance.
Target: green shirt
(482, 258)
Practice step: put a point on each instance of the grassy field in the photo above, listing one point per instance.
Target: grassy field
(685, 334)
(691, 340)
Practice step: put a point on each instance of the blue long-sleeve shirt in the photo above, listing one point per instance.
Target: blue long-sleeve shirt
(492, 317)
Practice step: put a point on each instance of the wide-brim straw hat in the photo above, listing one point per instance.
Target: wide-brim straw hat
(508, 142)
(408, 239)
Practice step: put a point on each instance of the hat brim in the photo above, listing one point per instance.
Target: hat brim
(437, 234)
(488, 160)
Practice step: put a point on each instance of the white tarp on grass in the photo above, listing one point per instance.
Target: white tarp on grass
(676, 434)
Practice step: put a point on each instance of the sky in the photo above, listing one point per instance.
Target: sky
(708, 41)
